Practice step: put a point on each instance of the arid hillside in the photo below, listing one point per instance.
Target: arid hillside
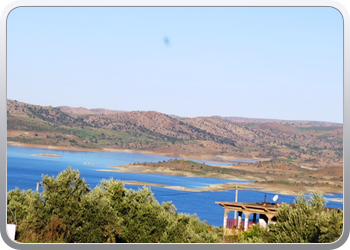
(149, 131)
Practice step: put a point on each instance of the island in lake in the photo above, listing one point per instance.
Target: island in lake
(48, 155)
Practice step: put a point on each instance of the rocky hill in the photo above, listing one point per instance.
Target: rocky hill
(309, 143)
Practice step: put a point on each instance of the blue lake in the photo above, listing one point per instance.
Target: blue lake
(24, 170)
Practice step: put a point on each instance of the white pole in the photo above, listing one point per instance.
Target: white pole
(246, 219)
(236, 199)
(225, 220)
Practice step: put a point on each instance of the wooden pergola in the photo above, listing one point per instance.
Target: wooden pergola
(265, 210)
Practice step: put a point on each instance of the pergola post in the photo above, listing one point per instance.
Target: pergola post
(239, 219)
(263, 220)
(225, 218)
(269, 216)
(246, 220)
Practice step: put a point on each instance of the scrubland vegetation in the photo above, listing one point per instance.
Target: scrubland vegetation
(68, 211)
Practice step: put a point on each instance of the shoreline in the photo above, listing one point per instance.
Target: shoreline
(252, 185)
(217, 187)
(213, 158)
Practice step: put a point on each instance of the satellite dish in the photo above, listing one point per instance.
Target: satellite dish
(275, 198)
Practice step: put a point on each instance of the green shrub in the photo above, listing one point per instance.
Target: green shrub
(68, 211)
(306, 221)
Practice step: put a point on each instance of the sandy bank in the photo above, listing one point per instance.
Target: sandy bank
(166, 171)
(164, 186)
(254, 185)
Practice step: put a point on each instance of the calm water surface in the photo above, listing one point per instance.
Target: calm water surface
(24, 170)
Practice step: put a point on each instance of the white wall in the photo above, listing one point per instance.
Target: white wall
(11, 231)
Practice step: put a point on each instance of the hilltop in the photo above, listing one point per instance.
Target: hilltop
(305, 143)
(261, 120)
(85, 111)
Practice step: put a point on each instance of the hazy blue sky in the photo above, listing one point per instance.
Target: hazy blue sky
(284, 63)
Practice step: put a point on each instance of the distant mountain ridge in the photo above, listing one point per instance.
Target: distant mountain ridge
(103, 111)
(85, 111)
(211, 137)
(235, 119)
(263, 120)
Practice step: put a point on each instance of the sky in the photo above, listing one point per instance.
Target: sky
(257, 62)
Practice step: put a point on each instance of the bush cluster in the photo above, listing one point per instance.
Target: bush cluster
(306, 221)
(68, 211)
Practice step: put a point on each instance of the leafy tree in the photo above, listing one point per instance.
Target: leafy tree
(145, 220)
(68, 211)
(34, 224)
(15, 206)
(63, 198)
(100, 222)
